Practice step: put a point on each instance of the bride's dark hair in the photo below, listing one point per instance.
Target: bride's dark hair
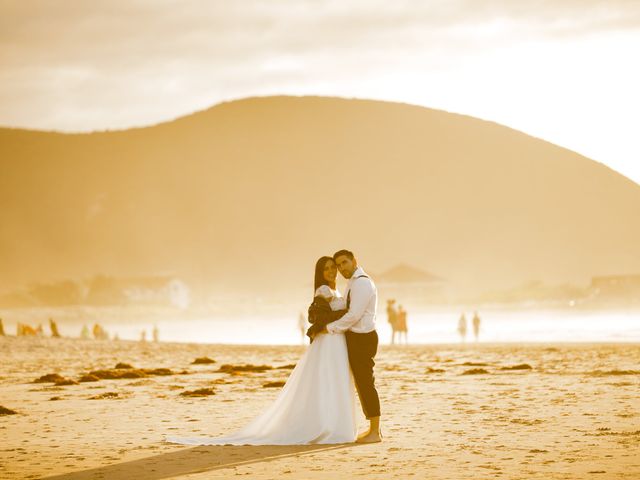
(319, 275)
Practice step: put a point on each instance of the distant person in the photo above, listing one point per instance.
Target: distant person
(23, 330)
(100, 333)
(40, 330)
(462, 327)
(402, 324)
(1, 329)
(155, 333)
(84, 333)
(476, 325)
(302, 326)
(54, 329)
(392, 318)
(143, 336)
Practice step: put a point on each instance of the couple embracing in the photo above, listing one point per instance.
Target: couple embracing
(317, 404)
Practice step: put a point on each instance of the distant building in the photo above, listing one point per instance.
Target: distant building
(103, 290)
(158, 290)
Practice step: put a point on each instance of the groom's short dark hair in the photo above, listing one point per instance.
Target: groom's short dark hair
(347, 253)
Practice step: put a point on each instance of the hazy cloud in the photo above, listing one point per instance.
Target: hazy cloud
(65, 60)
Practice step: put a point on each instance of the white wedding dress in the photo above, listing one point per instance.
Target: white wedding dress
(316, 405)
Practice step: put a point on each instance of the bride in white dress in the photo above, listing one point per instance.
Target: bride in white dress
(318, 402)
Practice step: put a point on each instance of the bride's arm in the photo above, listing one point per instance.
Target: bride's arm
(320, 309)
(320, 314)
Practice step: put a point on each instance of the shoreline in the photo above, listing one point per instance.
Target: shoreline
(512, 343)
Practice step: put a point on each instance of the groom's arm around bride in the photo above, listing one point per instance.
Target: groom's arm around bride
(320, 315)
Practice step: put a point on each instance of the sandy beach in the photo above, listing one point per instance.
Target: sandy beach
(449, 412)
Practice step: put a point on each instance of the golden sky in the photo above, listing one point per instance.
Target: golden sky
(565, 71)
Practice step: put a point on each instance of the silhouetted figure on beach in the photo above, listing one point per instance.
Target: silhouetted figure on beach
(100, 333)
(84, 333)
(402, 324)
(476, 325)
(1, 329)
(54, 329)
(462, 327)
(302, 326)
(143, 336)
(23, 330)
(392, 318)
(155, 333)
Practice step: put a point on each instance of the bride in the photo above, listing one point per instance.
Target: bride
(318, 402)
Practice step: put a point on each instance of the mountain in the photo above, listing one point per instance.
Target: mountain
(406, 274)
(244, 196)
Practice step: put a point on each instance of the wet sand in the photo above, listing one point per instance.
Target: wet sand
(449, 412)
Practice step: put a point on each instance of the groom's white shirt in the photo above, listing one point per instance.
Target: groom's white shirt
(361, 317)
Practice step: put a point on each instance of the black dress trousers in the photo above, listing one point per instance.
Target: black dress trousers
(362, 348)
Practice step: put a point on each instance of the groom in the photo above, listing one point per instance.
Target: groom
(359, 327)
